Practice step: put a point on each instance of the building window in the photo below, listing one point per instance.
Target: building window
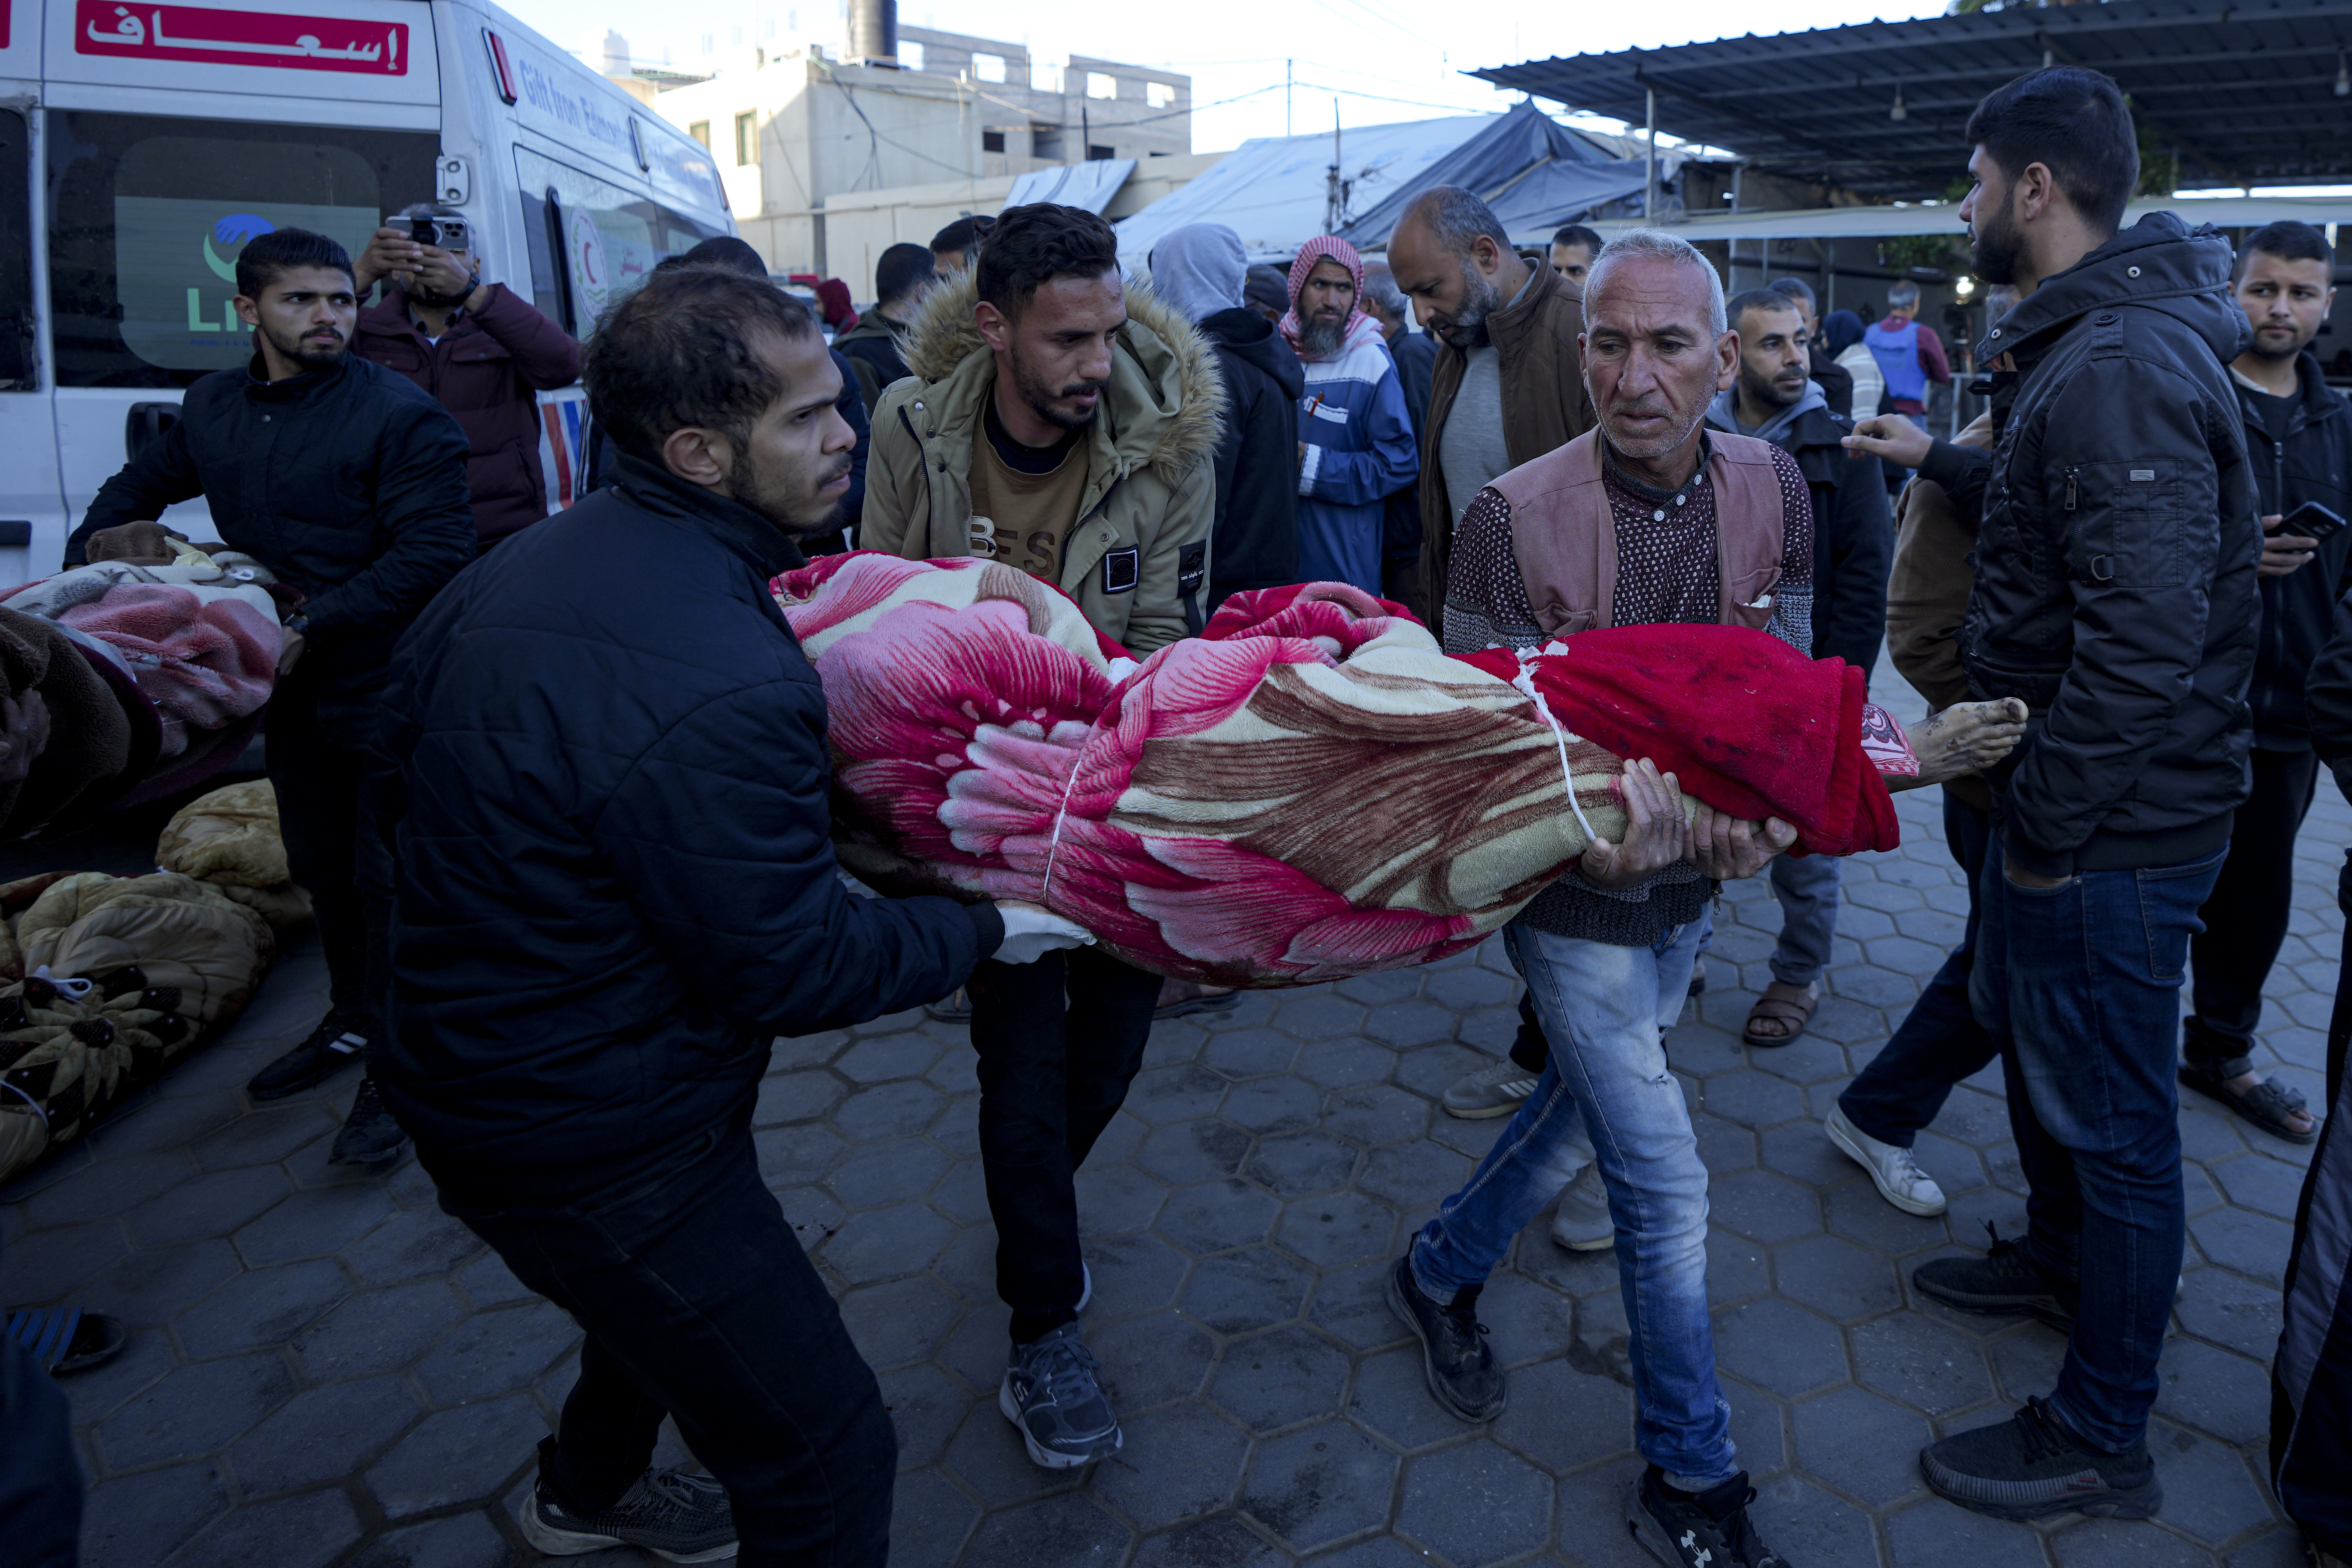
(1101, 86)
(991, 140)
(709, 43)
(1161, 95)
(735, 35)
(1046, 143)
(910, 54)
(1098, 152)
(747, 139)
(700, 131)
(987, 68)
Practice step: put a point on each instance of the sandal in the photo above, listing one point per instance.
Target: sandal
(1781, 1004)
(2267, 1105)
(65, 1339)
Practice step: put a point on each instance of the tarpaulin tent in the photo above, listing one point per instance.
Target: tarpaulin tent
(1090, 184)
(1274, 191)
(1535, 173)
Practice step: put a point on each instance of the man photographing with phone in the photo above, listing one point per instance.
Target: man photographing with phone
(480, 349)
(2299, 445)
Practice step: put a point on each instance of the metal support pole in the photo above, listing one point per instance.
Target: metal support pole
(1650, 155)
(1285, 97)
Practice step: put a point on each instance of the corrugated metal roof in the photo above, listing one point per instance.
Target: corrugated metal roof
(2242, 92)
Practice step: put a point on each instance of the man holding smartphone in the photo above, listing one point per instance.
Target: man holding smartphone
(2299, 441)
(481, 349)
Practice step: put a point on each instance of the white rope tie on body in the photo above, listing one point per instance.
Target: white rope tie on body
(1054, 849)
(1525, 681)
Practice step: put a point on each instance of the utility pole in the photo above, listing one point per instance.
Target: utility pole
(1285, 97)
(1650, 154)
(1335, 189)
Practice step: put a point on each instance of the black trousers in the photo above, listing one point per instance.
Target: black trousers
(2245, 919)
(1940, 1042)
(1059, 1041)
(316, 768)
(40, 1480)
(700, 1304)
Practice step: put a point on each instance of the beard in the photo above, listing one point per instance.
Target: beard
(1044, 398)
(418, 294)
(1466, 328)
(1770, 393)
(309, 356)
(794, 511)
(1323, 335)
(2000, 249)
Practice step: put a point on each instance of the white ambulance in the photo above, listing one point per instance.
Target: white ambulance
(141, 144)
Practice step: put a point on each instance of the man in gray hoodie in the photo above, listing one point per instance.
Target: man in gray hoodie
(1853, 544)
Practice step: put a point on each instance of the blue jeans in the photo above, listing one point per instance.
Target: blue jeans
(2083, 982)
(1808, 894)
(1606, 1094)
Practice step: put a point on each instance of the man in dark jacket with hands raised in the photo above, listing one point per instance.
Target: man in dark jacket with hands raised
(606, 770)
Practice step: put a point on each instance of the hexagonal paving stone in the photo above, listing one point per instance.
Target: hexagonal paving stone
(1249, 1053)
(1217, 1216)
(1174, 1094)
(1779, 1345)
(1475, 1503)
(1273, 1105)
(1409, 1024)
(1071, 1528)
(1338, 1229)
(882, 1243)
(1763, 1206)
(1320, 1485)
(1379, 1114)
(1279, 1379)
(1191, 1151)
(1345, 1064)
(885, 1056)
(1302, 1164)
(379, 1330)
(1835, 1278)
(323, 1434)
(1924, 1364)
(1565, 1419)
(195, 1410)
(1318, 1016)
(896, 1110)
(1243, 1291)
(1149, 1360)
(1861, 1444)
(1177, 1463)
(459, 1455)
(262, 1307)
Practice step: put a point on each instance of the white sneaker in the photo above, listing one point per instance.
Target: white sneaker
(1582, 1222)
(1900, 1180)
(1497, 1090)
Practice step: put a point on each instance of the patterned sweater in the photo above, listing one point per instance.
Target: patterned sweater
(1667, 571)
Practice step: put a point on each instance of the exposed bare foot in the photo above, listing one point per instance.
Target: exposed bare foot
(2298, 1122)
(1966, 738)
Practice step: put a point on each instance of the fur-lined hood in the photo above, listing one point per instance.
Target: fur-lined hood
(1164, 406)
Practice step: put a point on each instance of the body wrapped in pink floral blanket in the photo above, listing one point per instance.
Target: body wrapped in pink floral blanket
(1312, 789)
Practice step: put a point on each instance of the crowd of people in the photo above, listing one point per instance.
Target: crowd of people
(2139, 547)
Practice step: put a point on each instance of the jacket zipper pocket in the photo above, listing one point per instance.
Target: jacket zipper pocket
(2071, 473)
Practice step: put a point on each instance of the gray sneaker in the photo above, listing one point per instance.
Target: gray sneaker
(1582, 1222)
(1050, 1392)
(1490, 1091)
(677, 1517)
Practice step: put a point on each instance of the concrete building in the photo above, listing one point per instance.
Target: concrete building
(796, 126)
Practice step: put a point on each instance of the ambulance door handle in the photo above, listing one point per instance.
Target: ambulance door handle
(146, 422)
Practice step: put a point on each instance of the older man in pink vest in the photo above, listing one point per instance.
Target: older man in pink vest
(1649, 517)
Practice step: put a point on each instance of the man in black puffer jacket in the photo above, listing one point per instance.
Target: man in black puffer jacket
(2116, 595)
(604, 769)
(348, 482)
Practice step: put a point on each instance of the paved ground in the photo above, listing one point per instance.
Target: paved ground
(326, 1371)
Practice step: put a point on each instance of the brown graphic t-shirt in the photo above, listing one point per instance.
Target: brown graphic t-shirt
(1025, 499)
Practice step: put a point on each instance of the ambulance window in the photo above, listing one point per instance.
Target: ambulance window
(147, 216)
(611, 237)
(17, 372)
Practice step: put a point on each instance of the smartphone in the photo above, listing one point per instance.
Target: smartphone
(448, 232)
(2312, 520)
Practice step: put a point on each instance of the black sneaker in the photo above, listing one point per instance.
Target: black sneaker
(370, 1135)
(1455, 1355)
(334, 1044)
(1050, 1392)
(677, 1517)
(2032, 1464)
(2004, 1281)
(1698, 1529)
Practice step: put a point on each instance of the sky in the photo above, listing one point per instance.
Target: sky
(1368, 61)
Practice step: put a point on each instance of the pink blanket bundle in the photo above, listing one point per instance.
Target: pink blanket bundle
(1310, 789)
(205, 660)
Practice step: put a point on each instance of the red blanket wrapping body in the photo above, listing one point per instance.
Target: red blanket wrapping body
(1311, 789)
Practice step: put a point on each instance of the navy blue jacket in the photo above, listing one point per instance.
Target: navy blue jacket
(616, 874)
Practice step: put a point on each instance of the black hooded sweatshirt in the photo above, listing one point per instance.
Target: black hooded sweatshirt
(2115, 588)
(1255, 544)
